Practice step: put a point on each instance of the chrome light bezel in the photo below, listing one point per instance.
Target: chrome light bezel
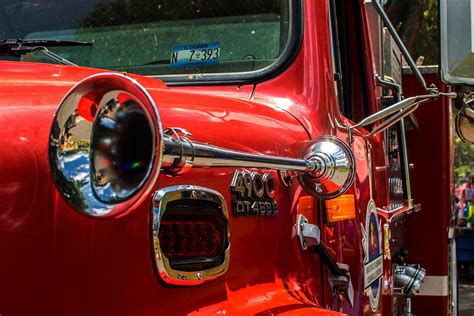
(162, 265)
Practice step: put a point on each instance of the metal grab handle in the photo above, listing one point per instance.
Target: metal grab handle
(310, 239)
(328, 261)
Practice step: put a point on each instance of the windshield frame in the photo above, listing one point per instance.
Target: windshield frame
(289, 53)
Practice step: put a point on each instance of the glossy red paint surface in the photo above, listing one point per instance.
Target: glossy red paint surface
(431, 177)
(61, 262)
(105, 266)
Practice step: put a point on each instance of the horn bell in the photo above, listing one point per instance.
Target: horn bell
(106, 145)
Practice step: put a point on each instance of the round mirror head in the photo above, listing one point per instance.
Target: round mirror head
(465, 125)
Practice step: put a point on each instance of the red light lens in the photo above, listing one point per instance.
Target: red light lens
(190, 238)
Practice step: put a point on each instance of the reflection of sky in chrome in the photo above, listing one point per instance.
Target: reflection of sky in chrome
(76, 168)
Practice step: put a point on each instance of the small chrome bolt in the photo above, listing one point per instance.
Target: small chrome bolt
(198, 276)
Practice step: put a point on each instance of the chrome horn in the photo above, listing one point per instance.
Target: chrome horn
(107, 148)
(105, 145)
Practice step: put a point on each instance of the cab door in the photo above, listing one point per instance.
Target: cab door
(351, 226)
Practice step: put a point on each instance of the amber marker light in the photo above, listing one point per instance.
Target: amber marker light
(307, 206)
(340, 208)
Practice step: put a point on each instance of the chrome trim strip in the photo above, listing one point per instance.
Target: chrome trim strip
(164, 270)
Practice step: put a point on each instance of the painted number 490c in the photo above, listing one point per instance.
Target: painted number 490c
(253, 194)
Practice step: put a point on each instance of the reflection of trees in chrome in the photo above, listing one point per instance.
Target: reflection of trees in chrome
(120, 12)
(74, 182)
(77, 199)
(77, 175)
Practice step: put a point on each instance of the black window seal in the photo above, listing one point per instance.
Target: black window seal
(344, 64)
(336, 51)
(293, 46)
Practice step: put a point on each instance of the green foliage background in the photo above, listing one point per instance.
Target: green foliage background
(420, 32)
(417, 24)
(463, 162)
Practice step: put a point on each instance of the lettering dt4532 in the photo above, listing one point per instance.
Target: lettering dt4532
(252, 194)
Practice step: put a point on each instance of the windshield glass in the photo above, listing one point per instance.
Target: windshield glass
(153, 37)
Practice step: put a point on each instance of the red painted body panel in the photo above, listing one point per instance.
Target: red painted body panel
(75, 250)
(430, 149)
(97, 267)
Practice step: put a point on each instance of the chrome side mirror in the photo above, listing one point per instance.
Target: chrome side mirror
(405, 107)
(457, 41)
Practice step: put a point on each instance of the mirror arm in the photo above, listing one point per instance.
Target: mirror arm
(398, 40)
(392, 109)
(394, 119)
(396, 112)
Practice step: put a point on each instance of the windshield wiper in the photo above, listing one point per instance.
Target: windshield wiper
(17, 47)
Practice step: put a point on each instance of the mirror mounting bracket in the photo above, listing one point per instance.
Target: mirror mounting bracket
(397, 111)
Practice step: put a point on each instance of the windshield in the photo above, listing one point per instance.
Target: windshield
(154, 37)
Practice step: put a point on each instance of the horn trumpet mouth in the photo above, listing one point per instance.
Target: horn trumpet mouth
(105, 145)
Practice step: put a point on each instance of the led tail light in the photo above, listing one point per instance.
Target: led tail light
(193, 235)
(181, 238)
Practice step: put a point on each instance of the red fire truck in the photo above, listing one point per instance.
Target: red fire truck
(216, 157)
